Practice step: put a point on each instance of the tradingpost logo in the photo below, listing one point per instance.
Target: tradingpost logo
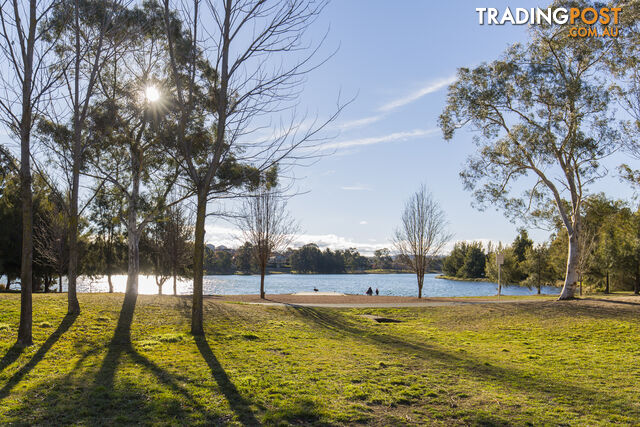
(585, 22)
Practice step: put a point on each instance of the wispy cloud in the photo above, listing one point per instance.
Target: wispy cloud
(356, 187)
(363, 223)
(430, 88)
(360, 122)
(396, 136)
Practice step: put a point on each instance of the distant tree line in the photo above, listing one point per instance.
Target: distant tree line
(304, 260)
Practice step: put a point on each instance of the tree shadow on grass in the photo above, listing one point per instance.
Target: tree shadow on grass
(238, 404)
(10, 356)
(105, 398)
(105, 402)
(64, 326)
(512, 378)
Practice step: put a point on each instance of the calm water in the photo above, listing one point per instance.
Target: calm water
(388, 284)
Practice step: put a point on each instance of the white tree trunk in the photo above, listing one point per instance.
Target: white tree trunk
(571, 275)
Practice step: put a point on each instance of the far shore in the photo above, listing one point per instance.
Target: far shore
(462, 279)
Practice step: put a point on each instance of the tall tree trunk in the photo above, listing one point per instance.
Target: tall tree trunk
(606, 288)
(636, 283)
(198, 265)
(59, 283)
(73, 307)
(133, 232)
(571, 275)
(263, 270)
(26, 267)
(420, 283)
(8, 283)
(133, 267)
(175, 285)
(110, 281)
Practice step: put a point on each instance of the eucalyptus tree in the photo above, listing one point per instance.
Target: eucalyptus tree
(27, 76)
(131, 124)
(541, 113)
(422, 233)
(88, 34)
(249, 62)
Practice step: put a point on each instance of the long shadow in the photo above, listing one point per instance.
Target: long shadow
(237, 403)
(121, 346)
(11, 356)
(120, 342)
(64, 326)
(510, 377)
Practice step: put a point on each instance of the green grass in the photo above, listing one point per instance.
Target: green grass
(545, 362)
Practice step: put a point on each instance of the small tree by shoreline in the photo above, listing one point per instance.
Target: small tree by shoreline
(422, 233)
(267, 226)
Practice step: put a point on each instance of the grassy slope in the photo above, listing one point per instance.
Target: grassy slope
(543, 362)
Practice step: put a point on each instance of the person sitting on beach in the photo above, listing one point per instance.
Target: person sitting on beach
(377, 292)
(369, 291)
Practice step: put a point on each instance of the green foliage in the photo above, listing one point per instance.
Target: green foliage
(382, 259)
(521, 244)
(537, 267)
(467, 260)
(310, 259)
(509, 272)
(218, 262)
(244, 259)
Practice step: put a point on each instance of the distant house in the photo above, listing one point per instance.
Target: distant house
(278, 261)
(220, 248)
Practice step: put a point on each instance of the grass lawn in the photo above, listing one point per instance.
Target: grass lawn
(544, 362)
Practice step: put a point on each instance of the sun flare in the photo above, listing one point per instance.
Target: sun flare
(152, 93)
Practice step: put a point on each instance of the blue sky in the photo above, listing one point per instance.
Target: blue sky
(398, 57)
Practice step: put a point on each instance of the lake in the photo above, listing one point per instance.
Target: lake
(388, 284)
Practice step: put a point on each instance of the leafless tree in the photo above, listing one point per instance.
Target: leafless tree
(422, 233)
(256, 61)
(26, 79)
(267, 226)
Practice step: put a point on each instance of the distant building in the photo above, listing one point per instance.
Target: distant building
(278, 261)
